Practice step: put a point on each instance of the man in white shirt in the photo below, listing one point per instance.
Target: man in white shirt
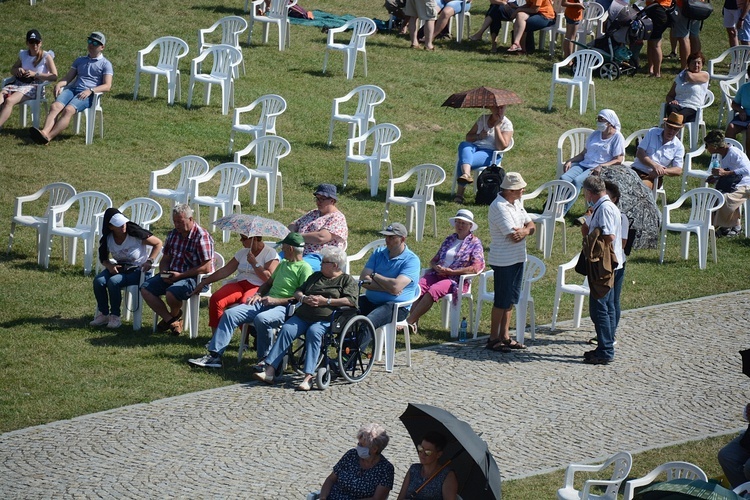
(661, 152)
(733, 162)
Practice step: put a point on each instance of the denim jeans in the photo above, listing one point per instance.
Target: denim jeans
(292, 329)
(619, 279)
(576, 175)
(265, 319)
(470, 154)
(735, 462)
(604, 317)
(382, 314)
(106, 283)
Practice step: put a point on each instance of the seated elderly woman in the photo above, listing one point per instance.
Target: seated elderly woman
(734, 168)
(429, 480)
(604, 147)
(254, 263)
(323, 291)
(323, 227)
(363, 471)
(688, 91)
(490, 133)
(460, 253)
(127, 243)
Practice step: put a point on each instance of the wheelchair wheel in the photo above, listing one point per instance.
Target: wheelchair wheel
(323, 377)
(356, 348)
(609, 71)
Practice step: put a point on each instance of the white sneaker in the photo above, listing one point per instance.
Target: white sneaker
(207, 361)
(100, 319)
(114, 322)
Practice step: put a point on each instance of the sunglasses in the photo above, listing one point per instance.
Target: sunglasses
(320, 198)
(427, 453)
(94, 43)
(34, 42)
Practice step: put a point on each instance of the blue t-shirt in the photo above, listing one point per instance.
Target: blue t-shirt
(406, 263)
(90, 72)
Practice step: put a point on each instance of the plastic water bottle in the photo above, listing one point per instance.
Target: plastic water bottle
(462, 331)
(715, 164)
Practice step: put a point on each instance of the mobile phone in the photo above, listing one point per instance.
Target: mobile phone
(165, 274)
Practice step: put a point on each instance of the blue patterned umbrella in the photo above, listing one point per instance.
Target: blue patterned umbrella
(253, 225)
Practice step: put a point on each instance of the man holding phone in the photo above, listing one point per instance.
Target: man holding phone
(188, 252)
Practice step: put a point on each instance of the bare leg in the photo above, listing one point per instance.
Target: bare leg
(520, 28)
(485, 25)
(732, 37)
(695, 44)
(443, 19)
(420, 308)
(496, 322)
(413, 32)
(685, 51)
(654, 57)
(156, 304)
(505, 324)
(429, 34)
(7, 106)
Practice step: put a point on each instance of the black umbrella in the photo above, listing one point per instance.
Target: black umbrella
(686, 489)
(745, 361)
(476, 470)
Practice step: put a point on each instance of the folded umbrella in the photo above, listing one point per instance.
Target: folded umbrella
(253, 225)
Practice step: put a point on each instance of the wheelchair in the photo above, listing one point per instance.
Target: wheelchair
(347, 349)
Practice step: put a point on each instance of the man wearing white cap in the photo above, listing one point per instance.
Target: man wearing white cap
(509, 227)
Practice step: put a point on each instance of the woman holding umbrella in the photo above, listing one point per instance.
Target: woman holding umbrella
(430, 480)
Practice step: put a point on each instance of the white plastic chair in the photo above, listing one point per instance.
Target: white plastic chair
(657, 191)
(90, 115)
(271, 106)
(739, 58)
(32, 105)
(743, 489)
(579, 292)
(368, 96)
(688, 171)
(570, 144)
(533, 270)
(586, 61)
(428, 177)
(361, 27)
(143, 211)
(546, 34)
(383, 135)
(232, 177)
(58, 193)
(558, 194)
(189, 167)
(497, 157)
(226, 59)
(91, 205)
(728, 90)
(485, 293)
(463, 18)
(450, 310)
(385, 336)
(231, 29)
(620, 462)
(372, 246)
(703, 202)
(268, 150)
(672, 470)
(593, 15)
(278, 14)
(171, 50)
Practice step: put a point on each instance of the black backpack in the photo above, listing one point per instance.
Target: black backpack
(488, 184)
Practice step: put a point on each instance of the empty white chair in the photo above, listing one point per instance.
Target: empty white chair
(32, 105)
(143, 211)
(570, 144)
(91, 206)
(58, 193)
(171, 50)
(620, 462)
(450, 310)
(672, 470)
(268, 150)
(370, 247)
(428, 176)
(383, 135)
(533, 270)
(579, 292)
(593, 15)
(231, 28)
(189, 166)
(739, 58)
(703, 202)
(368, 96)
(90, 115)
(586, 61)
(278, 14)
(271, 106)
(361, 27)
(385, 336)
(558, 194)
(728, 90)
(232, 176)
(226, 59)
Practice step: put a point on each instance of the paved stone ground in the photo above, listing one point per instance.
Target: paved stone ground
(677, 377)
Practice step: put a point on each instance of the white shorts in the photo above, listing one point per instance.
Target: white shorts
(731, 16)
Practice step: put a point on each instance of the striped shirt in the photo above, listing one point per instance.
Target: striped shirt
(504, 217)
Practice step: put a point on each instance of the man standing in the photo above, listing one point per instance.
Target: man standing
(607, 219)
(509, 227)
(427, 11)
(75, 92)
(661, 152)
(393, 274)
(188, 252)
(266, 309)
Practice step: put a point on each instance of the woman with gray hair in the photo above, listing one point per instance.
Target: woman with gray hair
(323, 291)
(363, 472)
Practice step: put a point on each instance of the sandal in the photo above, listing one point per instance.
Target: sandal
(458, 199)
(491, 344)
(163, 325)
(511, 344)
(412, 328)
(515, 48)
(175, 327)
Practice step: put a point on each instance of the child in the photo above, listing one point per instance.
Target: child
(573, 16)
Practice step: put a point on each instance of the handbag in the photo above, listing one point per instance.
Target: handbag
(582, 266)
(697, 10)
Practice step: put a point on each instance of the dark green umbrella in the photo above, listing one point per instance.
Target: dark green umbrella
(686, 489)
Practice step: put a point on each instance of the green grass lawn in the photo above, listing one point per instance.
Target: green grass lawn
(53, 366)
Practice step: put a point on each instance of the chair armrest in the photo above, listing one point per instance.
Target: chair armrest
(20, 200)
(333, 31)
(533, 194)
(350, 143)
(239, 154)
(596, 482)
(195, 182)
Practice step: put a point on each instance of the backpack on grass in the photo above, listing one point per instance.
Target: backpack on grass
(488, 184)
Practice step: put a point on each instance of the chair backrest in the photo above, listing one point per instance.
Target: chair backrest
(233, 176)
(586, 61)
(191, 166)
(361, 27)
(533, 270)
(622, 462)
(90, 204)
(428, 177)
(59, 193)
(272, 105)
(672, 470)
(225, 58)
(279, 9)
(231, 28)
(739, 57)
(742, 489)
(559, 192)
(362, 253)
(368, 96)
(636, 137)
(143, 211)
(703, 201)
(570, 143)
(735, 143)
(268, 150)
(384, 135)
(171, 50)
(592, 14)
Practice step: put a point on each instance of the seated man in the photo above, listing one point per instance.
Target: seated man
(188, 252)
(266, 309)
(740, 106)
(88, 75)
(393, 275)
(734, 458)
(661, 152)
(733, 163)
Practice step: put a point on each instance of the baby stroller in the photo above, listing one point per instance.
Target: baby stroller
(630, 26)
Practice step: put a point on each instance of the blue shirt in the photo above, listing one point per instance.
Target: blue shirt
(90, 72)
(406, 263)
